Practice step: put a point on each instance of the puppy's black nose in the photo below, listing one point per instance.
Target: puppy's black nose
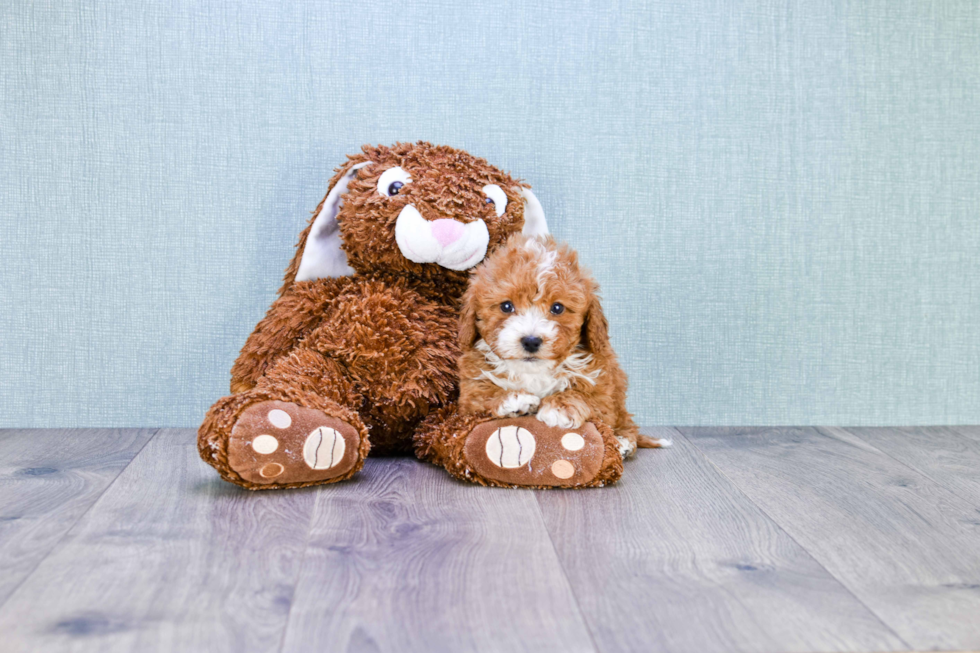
(531, 343)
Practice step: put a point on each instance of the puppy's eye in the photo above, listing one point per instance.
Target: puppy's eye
(392, 180)
(557, 308)
(496, 196)
(507, 307)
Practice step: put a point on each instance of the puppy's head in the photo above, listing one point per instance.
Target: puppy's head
(530, 301)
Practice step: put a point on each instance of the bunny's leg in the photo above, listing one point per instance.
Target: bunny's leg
(519, 451)
(297, 426)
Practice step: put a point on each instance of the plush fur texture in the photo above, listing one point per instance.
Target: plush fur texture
(534, 291)
(377, 349)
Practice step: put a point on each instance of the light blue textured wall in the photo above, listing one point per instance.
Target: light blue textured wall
(781, 199)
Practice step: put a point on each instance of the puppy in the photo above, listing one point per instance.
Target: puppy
(534, 341)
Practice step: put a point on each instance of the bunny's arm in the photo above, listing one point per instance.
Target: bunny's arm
(300, 309)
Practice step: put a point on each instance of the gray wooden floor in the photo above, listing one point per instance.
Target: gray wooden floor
(737, 539)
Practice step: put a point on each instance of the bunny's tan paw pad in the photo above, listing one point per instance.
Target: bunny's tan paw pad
(280, 444)
(526, 452)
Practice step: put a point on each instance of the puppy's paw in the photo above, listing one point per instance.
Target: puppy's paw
(566, 413)
(626, 448)
(517, 404)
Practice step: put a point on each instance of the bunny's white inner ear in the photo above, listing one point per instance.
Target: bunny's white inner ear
(323, 256)
(534, 222)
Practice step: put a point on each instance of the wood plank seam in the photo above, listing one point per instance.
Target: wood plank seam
(81, 516)
(748, 498)
(299, 572)
(921, 472)
(951, 487)
(564, 572)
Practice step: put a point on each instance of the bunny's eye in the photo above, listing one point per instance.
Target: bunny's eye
(496, 196)
(392, 181)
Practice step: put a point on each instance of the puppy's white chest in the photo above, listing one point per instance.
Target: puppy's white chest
(539, 378)
(536, 378)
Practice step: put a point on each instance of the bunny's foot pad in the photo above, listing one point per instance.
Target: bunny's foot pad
(523, 451)
(282, 444)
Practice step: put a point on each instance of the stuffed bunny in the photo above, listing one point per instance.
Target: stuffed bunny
(359, 351)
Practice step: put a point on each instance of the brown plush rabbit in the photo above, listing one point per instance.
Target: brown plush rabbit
(361, 344)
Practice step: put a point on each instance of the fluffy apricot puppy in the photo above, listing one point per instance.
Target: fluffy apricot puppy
(535, 342)
(535, 352)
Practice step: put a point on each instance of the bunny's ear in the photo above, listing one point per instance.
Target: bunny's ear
(534, 222)
(322, 254)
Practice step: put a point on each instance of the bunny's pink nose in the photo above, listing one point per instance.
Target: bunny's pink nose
(447, 231)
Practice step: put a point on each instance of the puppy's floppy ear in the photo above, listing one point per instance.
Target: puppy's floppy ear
(319, 253)
(468, 335)
(595, 328)
(534, 221)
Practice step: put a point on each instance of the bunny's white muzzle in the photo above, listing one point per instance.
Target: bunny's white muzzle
(450, 243)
